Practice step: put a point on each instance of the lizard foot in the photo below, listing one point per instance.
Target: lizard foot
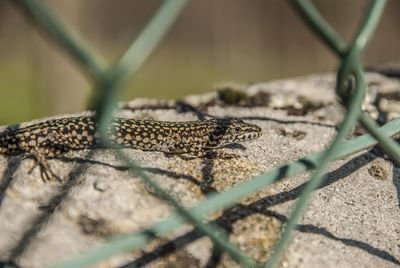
(45, 171)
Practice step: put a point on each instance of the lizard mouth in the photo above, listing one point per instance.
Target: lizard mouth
(249, 136)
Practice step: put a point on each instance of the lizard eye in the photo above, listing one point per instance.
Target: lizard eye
(237, 129)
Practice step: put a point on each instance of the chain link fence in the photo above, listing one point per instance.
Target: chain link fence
(350, 88)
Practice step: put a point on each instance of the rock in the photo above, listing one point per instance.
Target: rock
(352, 220)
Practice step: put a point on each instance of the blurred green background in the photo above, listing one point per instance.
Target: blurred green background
(211, 42)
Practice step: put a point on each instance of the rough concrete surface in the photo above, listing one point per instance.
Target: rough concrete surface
(353, 219)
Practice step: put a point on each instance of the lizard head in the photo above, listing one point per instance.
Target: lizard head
(233, 130)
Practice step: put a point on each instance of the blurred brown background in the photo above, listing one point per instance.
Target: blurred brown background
(212, 41)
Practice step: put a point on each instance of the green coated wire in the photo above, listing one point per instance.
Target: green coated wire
(215, 233)
(133, 58)
(386, 143)
(108, 86)
(316, 179)
(349, 64)
(70, 41)
(129, 63)
(362, 37)
(318, 24)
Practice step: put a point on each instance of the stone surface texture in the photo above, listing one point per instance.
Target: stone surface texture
(353, 219)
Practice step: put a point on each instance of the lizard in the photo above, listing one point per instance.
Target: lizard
(54, 138)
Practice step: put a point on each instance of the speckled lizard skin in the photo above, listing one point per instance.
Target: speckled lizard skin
(54, 138)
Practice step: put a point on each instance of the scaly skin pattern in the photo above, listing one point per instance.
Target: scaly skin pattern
(54, 138)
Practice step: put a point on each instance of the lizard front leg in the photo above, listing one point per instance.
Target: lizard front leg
(40, 156)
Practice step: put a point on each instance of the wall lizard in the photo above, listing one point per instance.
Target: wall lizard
(54, 138)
